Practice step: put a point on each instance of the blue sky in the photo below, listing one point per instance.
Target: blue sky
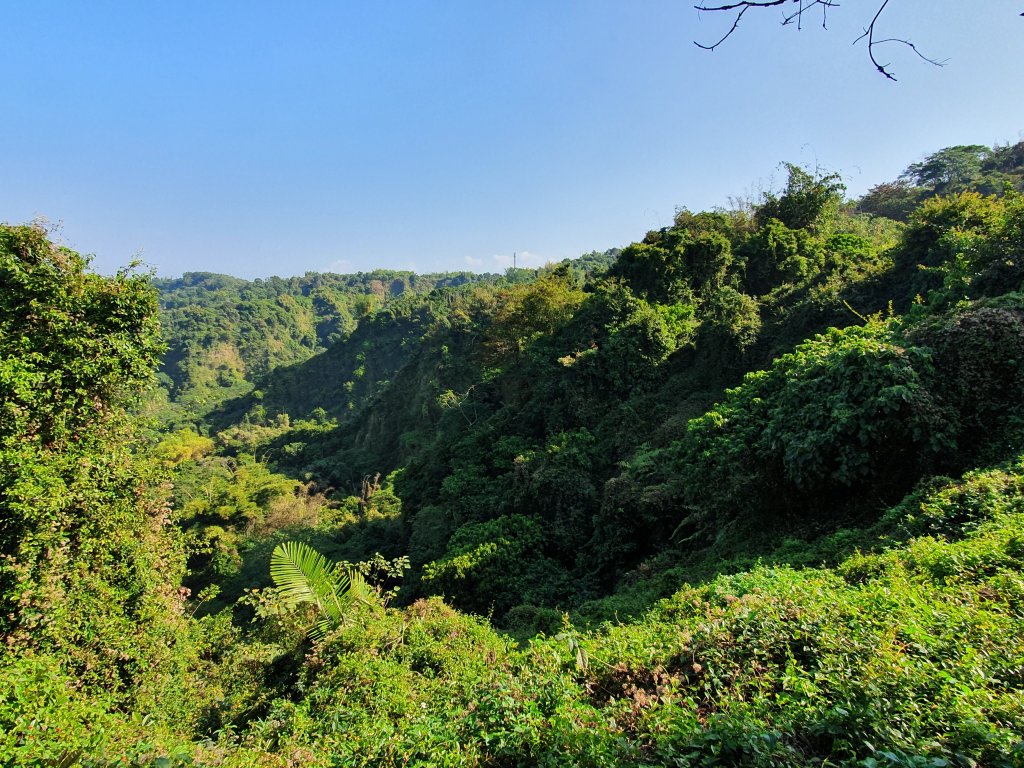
(257, 138)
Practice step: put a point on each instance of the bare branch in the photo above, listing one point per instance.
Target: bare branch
(734, 6)
(869, 33)
(727, 35)
(742, 6)
(797, 14)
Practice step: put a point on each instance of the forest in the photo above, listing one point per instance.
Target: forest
(748, 491)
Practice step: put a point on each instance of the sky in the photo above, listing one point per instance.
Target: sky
(256, 139)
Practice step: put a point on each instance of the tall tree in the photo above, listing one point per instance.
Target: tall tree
(949, 170)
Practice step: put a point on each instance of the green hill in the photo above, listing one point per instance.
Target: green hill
(746, 492)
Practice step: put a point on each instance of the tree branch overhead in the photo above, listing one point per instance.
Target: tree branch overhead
(791, 15)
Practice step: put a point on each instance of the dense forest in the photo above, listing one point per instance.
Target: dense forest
(746, 492)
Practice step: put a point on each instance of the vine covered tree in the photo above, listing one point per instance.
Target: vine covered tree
(88, 568)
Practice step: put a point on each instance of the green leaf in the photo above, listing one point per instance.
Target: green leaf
(302, 575)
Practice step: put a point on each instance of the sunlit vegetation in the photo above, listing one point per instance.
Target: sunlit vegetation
(746, 492)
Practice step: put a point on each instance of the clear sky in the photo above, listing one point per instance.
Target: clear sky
(257, 138)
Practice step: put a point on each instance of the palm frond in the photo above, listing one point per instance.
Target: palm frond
(359, 589)
(303, 575)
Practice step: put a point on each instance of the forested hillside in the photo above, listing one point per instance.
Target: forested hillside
(225, 332)
(748, 491)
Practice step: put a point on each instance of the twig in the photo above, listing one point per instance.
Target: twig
(726, 36)
(742, 6)
(869, 33)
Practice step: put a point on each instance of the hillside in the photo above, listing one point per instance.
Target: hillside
(224, 332)
(555, 416)
(748, 491)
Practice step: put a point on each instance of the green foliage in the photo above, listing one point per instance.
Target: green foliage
(733, 320)
(624, 342)
(302, 575)
(553, 485)
(226, 333)
(849, 408)
(627, 367)
(492, 566)
(89, 566)
(953, 509)
(949, 170)
(654, 271)
(892, 199)
(88, 571)
(953, 170)
(906, 657)
(183, 445)
(673, 265)
(428, 540)
(980, 351)
(986, 249)
(44, 719)
(524, 313)
(806, 199)
(639, 340)
(74, 343)
(775, 254)
(842, 670)
(943, 226)
(227, 505)
(540, 442)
